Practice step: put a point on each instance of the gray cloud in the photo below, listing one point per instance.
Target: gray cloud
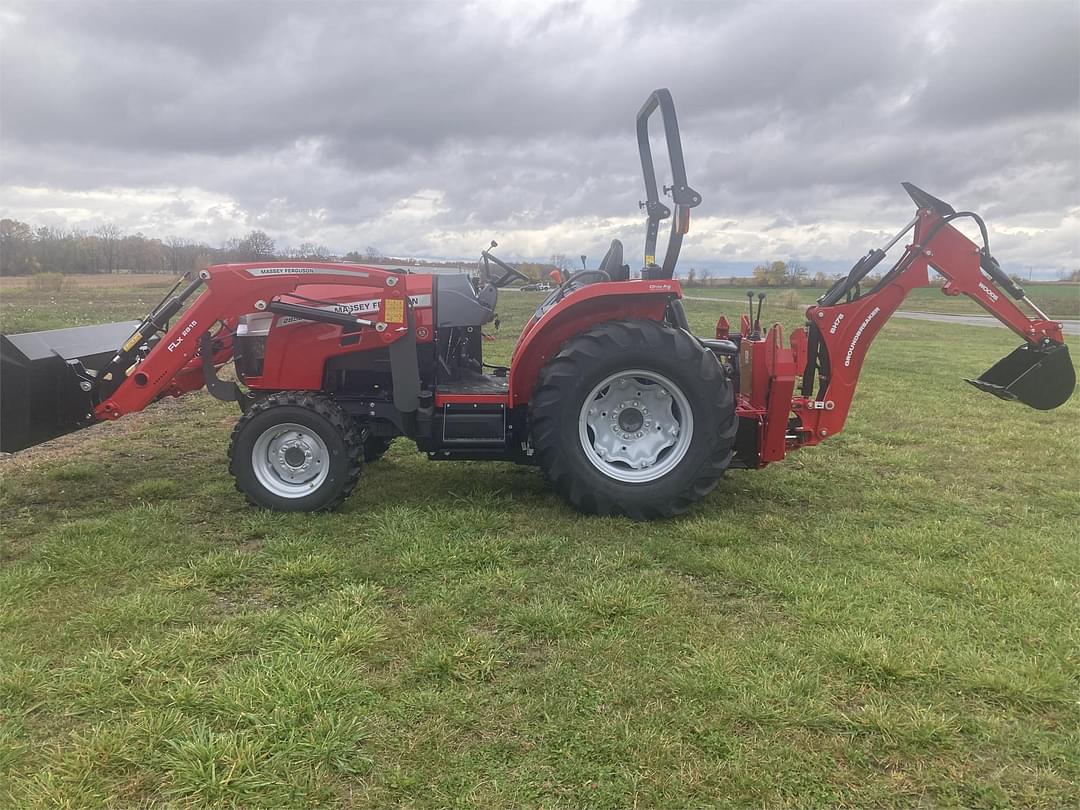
(430, 127)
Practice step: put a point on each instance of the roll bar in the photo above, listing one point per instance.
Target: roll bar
(682, 195)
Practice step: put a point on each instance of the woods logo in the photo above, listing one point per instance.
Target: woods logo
(993, 296)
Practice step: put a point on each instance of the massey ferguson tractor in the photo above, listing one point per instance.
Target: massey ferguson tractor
(625, 410)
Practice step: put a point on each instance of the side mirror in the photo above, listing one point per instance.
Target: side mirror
(494, 244)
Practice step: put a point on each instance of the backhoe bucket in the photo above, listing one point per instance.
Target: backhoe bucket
(41, 395)
(1041, 377)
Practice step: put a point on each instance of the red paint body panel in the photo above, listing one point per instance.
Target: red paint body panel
(468, 399)
(234, 290)
(580, 310)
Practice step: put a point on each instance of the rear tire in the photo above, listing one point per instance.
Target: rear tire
(296, 452)
(633, 418)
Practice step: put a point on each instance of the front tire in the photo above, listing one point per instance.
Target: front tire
(296, 452)
(633, 418)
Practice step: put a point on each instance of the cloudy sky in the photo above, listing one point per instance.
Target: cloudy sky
(427, 129)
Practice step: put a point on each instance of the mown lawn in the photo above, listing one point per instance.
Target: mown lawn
(887, 620)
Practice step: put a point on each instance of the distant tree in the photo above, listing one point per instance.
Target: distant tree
(373, 254)
(820, 279)
(309, 251)
(109, 239)
(691, 277)
(178, 252)
(796, 273)
(561, 262)
(536, 271)
(770, 275)
(255, 247)
(16, 248)
(142, 255)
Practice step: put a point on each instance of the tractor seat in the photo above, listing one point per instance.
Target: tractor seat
(612, 263)
(458, 304)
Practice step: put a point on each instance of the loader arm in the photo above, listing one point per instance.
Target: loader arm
(172, 366)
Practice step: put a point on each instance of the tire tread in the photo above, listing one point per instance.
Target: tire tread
(567, 367)
(330, 411)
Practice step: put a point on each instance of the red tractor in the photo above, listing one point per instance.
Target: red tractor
(609, 392)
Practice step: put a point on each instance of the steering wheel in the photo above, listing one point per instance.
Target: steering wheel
(576, 280)
(509, 273)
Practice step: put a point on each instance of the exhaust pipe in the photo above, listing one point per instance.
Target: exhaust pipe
(47, 380)
(1041, 377)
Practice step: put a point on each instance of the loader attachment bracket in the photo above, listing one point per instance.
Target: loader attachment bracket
(221, 389)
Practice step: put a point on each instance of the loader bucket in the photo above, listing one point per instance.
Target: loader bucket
(40, 393)
(1039, 376)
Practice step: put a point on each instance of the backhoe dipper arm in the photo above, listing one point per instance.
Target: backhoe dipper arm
(846, 330)
(230, 292)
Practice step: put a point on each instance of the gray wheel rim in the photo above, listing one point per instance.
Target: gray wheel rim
(636, 426)
(290, 460)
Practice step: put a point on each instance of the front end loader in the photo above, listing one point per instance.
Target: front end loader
(625, 410)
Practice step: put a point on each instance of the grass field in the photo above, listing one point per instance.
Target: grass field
(94, 299)
(1058, 299)
(892, 619)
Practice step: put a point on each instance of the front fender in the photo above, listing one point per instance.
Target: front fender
(577, 312)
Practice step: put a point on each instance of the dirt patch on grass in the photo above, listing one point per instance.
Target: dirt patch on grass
(83, 442)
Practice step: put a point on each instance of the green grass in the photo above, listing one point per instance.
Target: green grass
(890, 619)
(1058, 299)
(83, 300)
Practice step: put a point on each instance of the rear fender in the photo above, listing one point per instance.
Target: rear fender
(582, 309)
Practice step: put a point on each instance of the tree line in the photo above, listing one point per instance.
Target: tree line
(768, 274)
(25, 250)
(794, 274)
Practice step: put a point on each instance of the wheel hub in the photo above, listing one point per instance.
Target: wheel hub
(294, 455)
(290, 460)
(632, 426)
(631, 420)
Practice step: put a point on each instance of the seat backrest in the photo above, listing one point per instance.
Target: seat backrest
(612, 263)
